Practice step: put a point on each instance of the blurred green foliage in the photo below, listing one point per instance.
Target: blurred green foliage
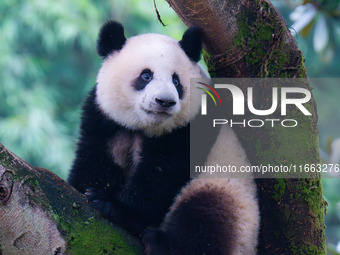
(48, 63)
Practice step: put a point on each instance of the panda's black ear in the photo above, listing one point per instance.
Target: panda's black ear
(111, 38)
(191, 43)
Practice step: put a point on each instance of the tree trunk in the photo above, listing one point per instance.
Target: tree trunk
(42, 214)
(249, 38)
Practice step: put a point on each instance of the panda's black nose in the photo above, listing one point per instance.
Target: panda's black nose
(165, 102)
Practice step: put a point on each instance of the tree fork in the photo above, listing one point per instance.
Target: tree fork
(249, 38)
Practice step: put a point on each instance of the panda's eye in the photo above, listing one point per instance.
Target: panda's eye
(177, 84)
(175, 81)
(146, 75)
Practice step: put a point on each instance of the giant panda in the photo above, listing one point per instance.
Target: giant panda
(132, 158)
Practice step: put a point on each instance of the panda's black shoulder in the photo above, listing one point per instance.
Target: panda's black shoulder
(94, 121)
(91, 152)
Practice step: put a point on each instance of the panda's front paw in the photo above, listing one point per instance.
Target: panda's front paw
(100, 201)
(155, 242)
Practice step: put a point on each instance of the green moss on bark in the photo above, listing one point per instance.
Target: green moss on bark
(96, 237)
(286, 143)
(309, 191)
(279, 188)
(83, 229)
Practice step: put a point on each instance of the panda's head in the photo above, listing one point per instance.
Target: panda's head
(144, 81)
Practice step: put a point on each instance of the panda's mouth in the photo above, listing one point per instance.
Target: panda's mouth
(157, 113)
(161, 113)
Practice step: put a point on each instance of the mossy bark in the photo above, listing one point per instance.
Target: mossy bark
(42, 214)
(249, 38)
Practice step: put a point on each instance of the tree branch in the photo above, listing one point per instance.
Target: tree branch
(42, 214)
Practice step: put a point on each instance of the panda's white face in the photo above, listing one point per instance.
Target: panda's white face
(146, 85)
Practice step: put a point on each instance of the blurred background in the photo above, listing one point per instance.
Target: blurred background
(48, 63)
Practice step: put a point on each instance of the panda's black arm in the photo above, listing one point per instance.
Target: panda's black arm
(151, 190)
(146, 200)
(149, 193)
(93, 167)
(125, 216)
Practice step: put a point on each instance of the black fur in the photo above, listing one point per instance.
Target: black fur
(201, 225)
(111, 38)
(144, 197)
(191, 43)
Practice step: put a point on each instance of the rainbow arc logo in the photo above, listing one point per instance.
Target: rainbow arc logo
(209, 93)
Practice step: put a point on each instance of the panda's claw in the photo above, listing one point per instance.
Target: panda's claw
(100, 201)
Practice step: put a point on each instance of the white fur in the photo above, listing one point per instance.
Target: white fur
(126, 150)
(228, 150)
(242, 191)
(163, 56)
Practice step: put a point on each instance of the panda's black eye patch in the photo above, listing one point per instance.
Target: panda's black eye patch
(143, 79)
(178, 85)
